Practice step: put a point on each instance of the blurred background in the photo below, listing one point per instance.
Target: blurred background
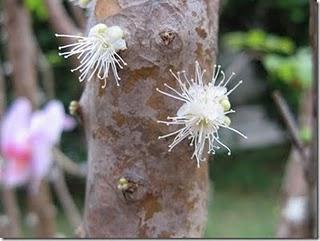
(266, 43)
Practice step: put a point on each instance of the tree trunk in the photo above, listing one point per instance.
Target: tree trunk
(170, 199)
(21, 50)
(314, 39)
(300, 189)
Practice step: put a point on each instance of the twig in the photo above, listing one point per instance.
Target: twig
(2, 92)
(290, 123)
(21, 50)
(67, 164)
(59, 19)
(11, 207)
(65, 198)
(41, 204)
(78, 15)
(46, 73)
(61, 23)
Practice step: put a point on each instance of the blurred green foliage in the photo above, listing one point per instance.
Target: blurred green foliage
(277, 56)
(276, 34)
(294, 70)
(37, 8)
(259, 40)
(294, 8)
(282, 17)
(288, 67)
(54, 58)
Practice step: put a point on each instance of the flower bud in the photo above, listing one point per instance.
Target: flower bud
(225, 104)
(73, 107)
(115, 32)
(84, 3)
(123, 184)
(98, 29)
(227, 121)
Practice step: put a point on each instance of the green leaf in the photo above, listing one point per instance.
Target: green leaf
(286, 71)
(235, 40)
(259, 40)
(272, 62)
(294, 70)
(256, 39)
(37, 8)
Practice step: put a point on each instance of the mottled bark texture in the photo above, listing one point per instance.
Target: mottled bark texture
(170, 194)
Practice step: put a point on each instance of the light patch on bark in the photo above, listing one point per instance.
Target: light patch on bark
(296, 209)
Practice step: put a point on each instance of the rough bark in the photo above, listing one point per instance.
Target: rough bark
(170, 199)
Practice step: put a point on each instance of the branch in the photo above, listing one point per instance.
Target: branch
(67, 164)
(61, 23)
(12, 210)
(2, 92)
(290, 123)
(59, 19)
(21, 50)
(41, 204)
(46, 73)
(65, 198)
(78, 15)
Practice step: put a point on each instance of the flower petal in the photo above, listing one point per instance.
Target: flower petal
(69, 123)
(47, 124)
(119, 45)
(16, 121)
(41, 158)
(14, 174)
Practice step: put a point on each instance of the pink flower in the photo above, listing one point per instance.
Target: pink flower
(26, 141)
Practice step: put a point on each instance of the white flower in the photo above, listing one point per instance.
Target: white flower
(203, 112)
(82, 3)
(97, 52)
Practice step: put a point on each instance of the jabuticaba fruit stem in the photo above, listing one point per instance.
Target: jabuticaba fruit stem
(170, 194)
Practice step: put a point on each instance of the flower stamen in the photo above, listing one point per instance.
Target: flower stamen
(203, 112)
(97, 52)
